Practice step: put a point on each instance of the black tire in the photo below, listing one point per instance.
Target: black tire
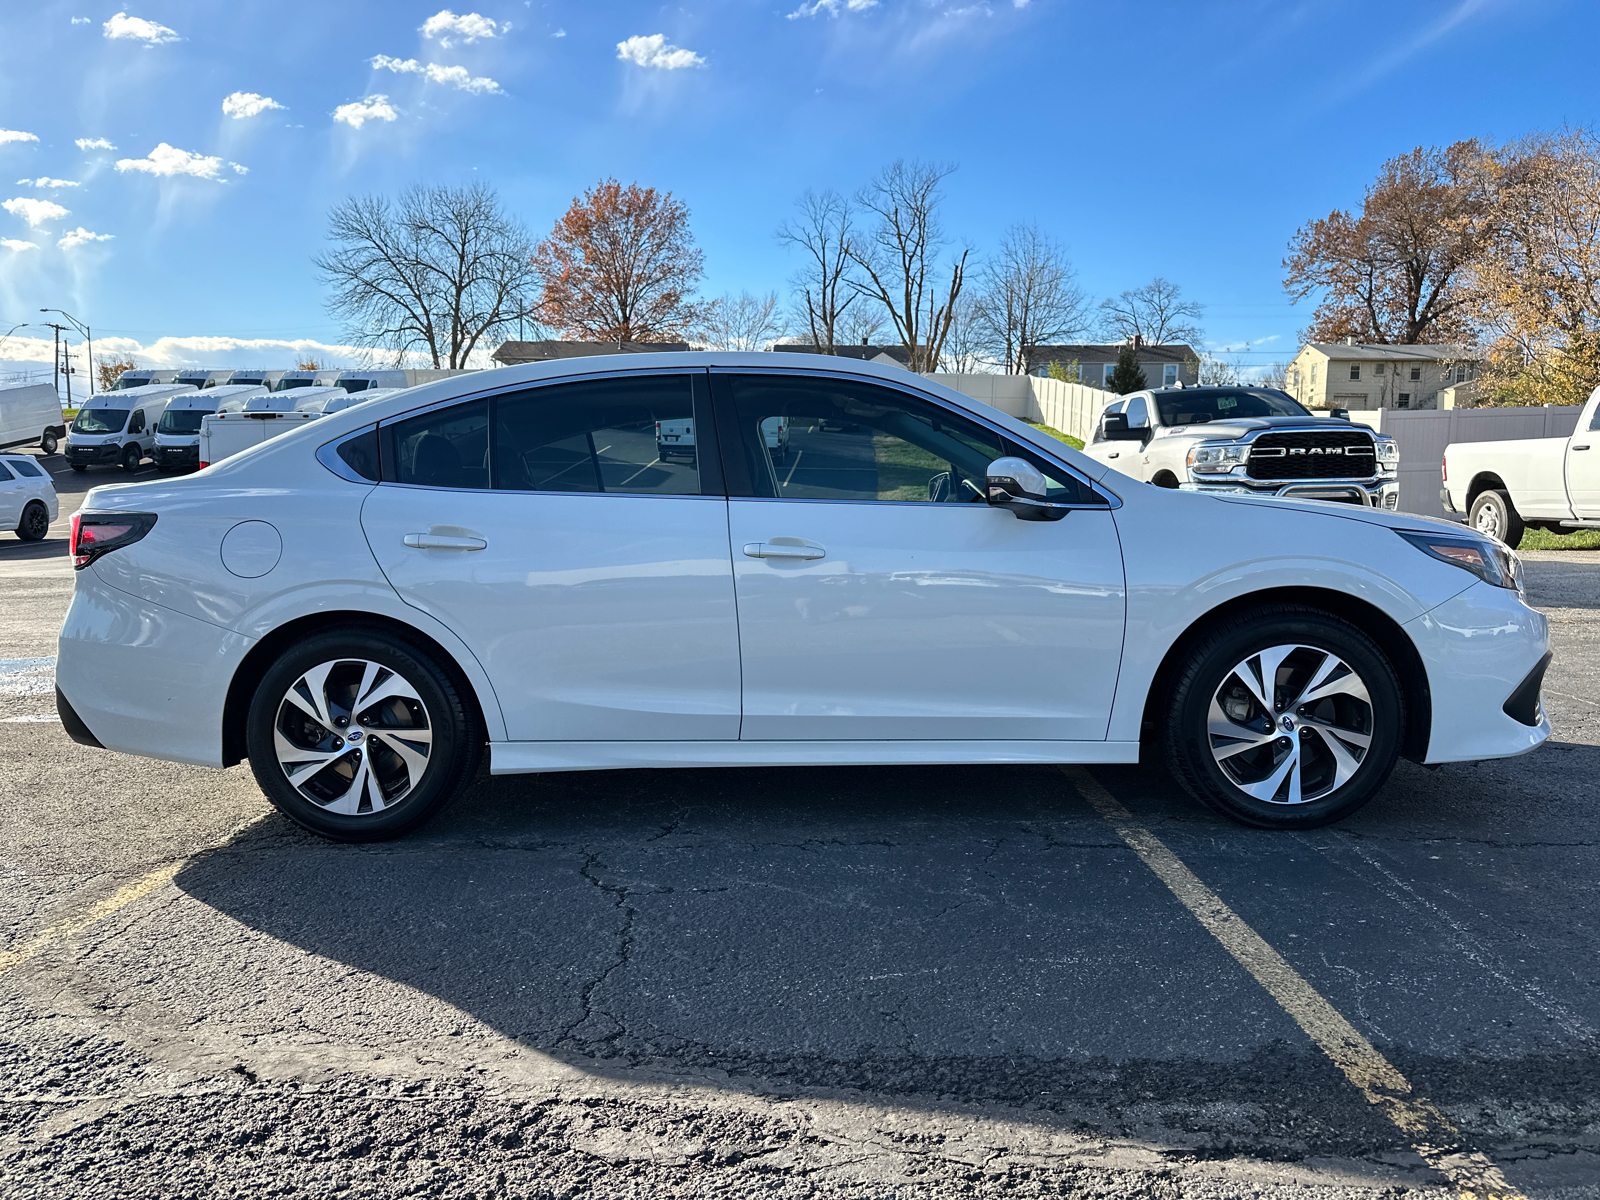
(1207, 671)
(1494, 514)
(35, 523)
(1166, 479)
(131, 458)
(79, 466)
(48, 443)
(451, 761)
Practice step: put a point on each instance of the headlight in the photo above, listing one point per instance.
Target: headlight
(1491, 561)
(1216, 458)
(1388, 451)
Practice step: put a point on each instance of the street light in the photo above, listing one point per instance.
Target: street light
(87, 336)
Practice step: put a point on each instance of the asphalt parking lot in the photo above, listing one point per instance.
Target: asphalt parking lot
(823, 982)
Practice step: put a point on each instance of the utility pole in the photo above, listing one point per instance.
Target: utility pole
(60, 329)
(55, 361)
(89, 354)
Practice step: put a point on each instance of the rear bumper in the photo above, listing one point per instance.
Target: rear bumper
(144, 679)
(1484, 651)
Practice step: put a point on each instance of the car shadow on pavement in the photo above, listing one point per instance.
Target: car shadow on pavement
(14, 549)
(935, 935)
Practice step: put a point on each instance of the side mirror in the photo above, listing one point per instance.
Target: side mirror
(1017, 484)
(1114, 428)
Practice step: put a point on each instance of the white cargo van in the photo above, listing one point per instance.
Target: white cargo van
(236, 427)
(675, 439)
(118, 428)
(200, 380)
(138, 377)
(178, 430)
(31, 412)
(267, 379)
(305, 379)
(363, 380)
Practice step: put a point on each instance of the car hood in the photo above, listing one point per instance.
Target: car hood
(1348, 512)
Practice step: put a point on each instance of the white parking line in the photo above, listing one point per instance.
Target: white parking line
(1432, 1134)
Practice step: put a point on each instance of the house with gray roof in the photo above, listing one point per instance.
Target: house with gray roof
(1163, 365)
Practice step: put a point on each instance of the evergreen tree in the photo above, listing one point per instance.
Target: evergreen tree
(1127, 376)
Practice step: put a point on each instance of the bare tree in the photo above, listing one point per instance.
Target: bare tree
(822, 292)
(967, 348)
(899, 259)
(742, 322)
(620, 266)
(439, 271)
(1156, 313)
(860, 325)
(1216, 371)
(1029, 298)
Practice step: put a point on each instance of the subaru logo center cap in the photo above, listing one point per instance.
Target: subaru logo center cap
(355, 735)
(1287, 723)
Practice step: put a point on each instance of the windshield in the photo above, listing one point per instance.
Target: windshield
(181, 420)
(355, 385)
(285, 384)
(100, 420)
(124, 382)
(194, 381)
(1196, 406)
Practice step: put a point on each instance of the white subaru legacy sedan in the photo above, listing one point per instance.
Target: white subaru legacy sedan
(508, 561)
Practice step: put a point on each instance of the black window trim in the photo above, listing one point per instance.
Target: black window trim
(708, 464)
(737, 477)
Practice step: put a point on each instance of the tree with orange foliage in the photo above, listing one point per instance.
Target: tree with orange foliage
(620, 266)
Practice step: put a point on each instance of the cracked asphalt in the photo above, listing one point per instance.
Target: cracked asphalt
(788, 983)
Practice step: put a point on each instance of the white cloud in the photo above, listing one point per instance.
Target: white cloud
(139, 30)
(444, 24)
(247, 104)
(34, 212)
(834, 7)
(653, 51)
(239, 168)
(80, 235)
(17, 245)
(358, 113)
(559, 33)
(16, 135)
(45, 181)
(94, 144)
(82, 21)
(169, 160)
(457, 77)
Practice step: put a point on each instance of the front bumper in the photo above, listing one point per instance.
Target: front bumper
(174, 457)
(108, 452)
(1372, 493)
(1484, 652)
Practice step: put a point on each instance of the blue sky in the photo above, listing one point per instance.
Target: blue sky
(1187, 140)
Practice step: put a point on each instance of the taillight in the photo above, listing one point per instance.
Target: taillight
(96, 534)
(204, 465)
(1444, 470)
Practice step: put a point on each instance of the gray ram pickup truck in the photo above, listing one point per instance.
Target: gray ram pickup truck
(1245, 441)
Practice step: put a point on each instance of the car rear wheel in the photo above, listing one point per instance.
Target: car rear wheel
(48, 443)
(80, 466)
(359, 735)
(1495, 515)
(1284, 718)
(35, 523)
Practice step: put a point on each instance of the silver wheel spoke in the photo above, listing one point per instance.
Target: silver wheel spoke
(308, 700)
(1325, 745)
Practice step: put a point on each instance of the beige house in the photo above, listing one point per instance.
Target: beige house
(1361, 375)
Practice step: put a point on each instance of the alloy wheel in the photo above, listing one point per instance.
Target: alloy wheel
(353, 737)
(1290, 724)
(1489, 520)
(35, 523)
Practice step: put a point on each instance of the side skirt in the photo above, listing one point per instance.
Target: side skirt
(519, 758)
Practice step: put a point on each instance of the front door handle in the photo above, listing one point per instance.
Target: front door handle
(782, 550)
(438, 541)
(1580, 447)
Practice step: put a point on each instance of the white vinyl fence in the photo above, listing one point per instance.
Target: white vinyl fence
(1423, 435)
(1072, 408)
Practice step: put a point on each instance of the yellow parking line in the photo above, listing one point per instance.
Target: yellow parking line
(1433, 1135)
(62, 930)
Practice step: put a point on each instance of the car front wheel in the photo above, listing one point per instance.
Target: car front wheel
(131, 458)
(1284, 718)
(360, 735)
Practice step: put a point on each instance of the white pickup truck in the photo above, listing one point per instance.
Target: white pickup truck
(1538, 483)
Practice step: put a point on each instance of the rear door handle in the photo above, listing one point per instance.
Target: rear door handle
(438, 541)
(782, 550)
(1580, 447)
